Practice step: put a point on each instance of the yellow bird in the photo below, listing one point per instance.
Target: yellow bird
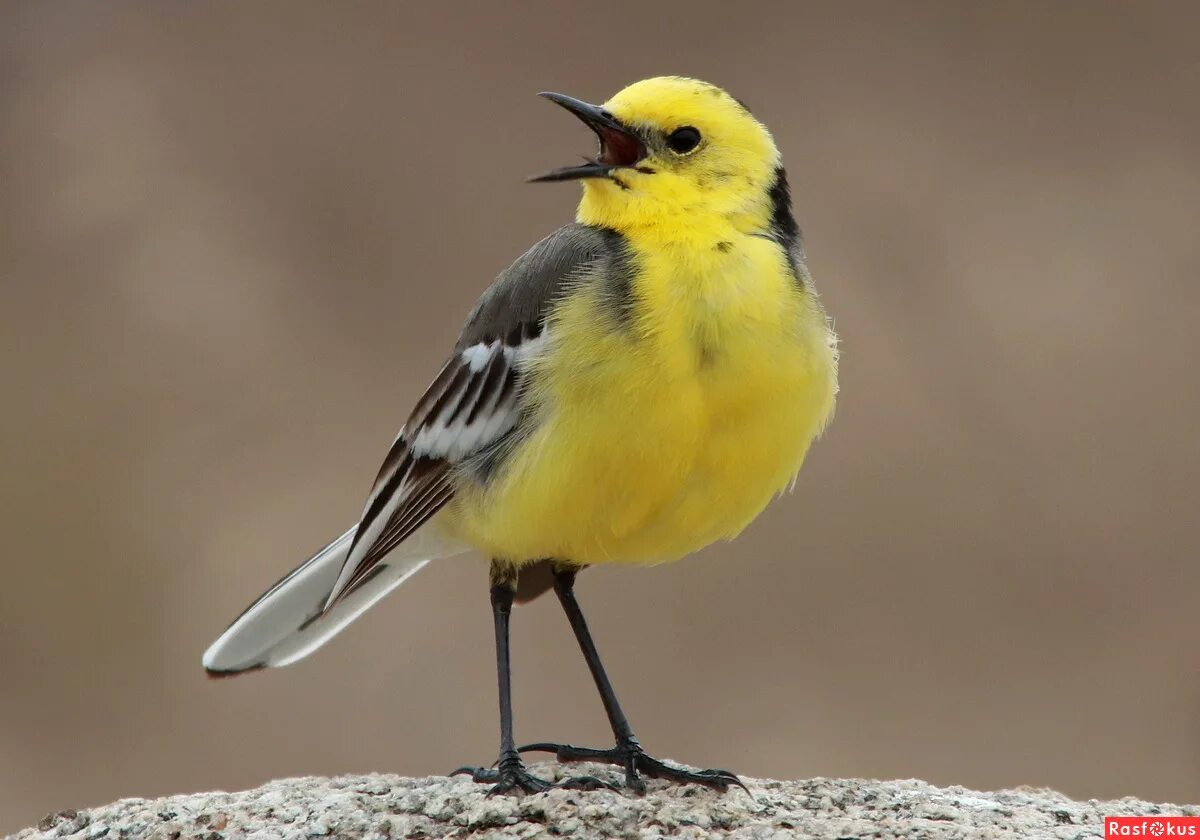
(636, 386)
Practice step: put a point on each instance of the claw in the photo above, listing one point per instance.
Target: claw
(729, 779)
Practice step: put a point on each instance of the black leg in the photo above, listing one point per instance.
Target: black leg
(627, 753)
(509, 774)
(564, 588)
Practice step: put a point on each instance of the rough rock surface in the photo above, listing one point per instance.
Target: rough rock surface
(383, 807)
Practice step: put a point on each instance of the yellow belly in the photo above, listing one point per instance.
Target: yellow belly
(656, 439)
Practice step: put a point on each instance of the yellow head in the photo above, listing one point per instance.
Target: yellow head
(673, 148)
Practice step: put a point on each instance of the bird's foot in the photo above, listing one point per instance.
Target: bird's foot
(510, 778)
(628, 753)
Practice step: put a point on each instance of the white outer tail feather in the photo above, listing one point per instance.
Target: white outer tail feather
(287, 622)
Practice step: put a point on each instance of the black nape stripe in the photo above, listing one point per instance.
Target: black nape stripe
(783, 223)
(618, 278)
(784, 229)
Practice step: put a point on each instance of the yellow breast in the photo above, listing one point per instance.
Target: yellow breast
(660, 433)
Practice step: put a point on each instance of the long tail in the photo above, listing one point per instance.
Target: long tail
(287, 622)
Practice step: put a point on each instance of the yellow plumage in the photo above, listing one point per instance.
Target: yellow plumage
(656, 439)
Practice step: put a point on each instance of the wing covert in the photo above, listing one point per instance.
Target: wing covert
(474, 402)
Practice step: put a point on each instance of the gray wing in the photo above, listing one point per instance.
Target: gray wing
(475, 402)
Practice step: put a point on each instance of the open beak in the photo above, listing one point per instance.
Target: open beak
(620, 147)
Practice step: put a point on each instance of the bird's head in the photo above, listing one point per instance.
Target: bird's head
(671, 146)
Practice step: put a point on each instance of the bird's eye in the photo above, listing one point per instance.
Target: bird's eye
(683, 140)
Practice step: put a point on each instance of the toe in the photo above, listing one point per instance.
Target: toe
(516, 784)
(541, 746)
(587, 783)
(478, 774)
(570, 752)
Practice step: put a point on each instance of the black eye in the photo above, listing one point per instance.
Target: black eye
(683, 140)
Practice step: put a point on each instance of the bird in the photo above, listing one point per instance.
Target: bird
(638, 385)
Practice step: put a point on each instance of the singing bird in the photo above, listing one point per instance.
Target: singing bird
(636, 386)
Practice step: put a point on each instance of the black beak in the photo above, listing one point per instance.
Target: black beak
(619, 146)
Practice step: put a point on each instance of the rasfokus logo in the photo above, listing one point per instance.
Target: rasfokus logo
(1152, 827)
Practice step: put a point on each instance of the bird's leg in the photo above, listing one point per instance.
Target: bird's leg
(508, 775)
(627, 753)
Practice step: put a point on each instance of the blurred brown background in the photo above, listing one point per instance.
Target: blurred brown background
(237, 239)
